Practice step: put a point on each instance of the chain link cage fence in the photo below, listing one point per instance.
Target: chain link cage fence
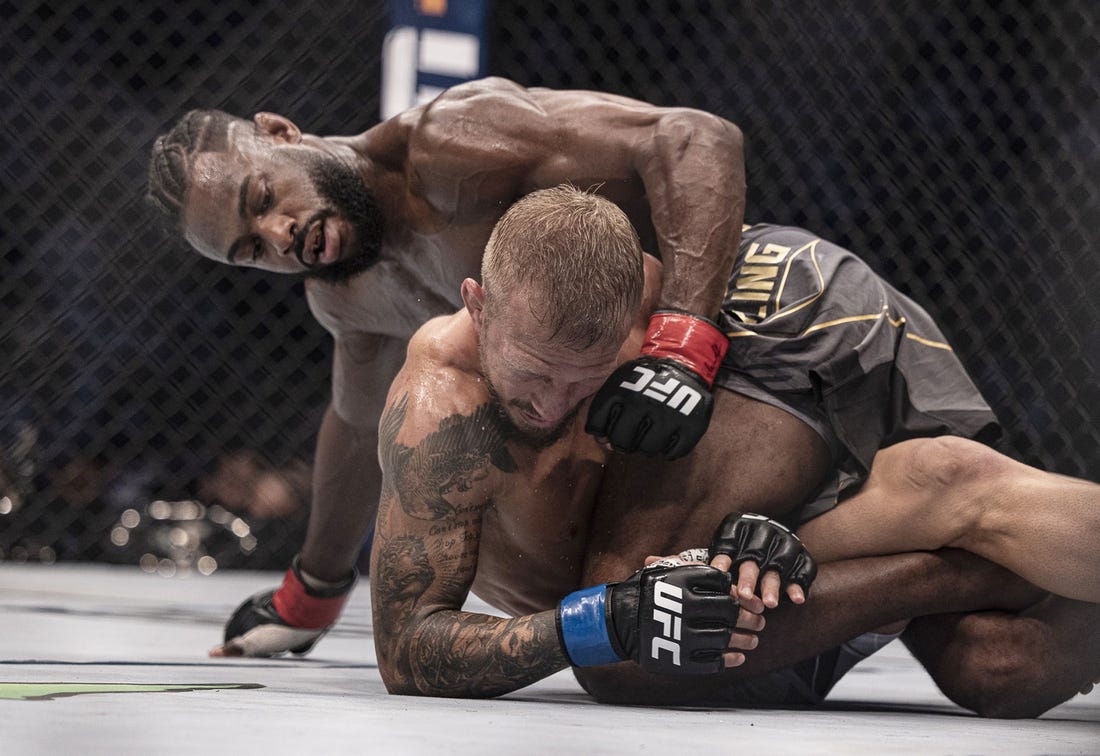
(955, 147)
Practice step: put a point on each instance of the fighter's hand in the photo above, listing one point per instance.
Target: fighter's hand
(661, 402)
(766, 554)
(292, 618)
(670, 620)
(750, 618)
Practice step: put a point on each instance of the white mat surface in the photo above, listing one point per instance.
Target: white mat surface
(92, 625)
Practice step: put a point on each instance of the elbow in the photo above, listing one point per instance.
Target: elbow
(396, 665)
(403, 675)
(396, 683)
(686, 127)
(397, 687)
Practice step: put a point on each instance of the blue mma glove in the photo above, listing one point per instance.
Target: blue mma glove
(670, 620)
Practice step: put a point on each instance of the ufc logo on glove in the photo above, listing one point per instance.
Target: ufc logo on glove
(669, 616)
(670, 392)
(669, 620)
(661, 402)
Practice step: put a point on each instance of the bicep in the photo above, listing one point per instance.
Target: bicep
(429, 521)
(473, 152)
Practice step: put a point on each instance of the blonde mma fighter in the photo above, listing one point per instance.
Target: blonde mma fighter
(483, 493)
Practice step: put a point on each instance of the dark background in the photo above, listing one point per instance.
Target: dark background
(957, 150)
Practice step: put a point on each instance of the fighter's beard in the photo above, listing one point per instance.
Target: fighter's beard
(347, 196)
(533, 438)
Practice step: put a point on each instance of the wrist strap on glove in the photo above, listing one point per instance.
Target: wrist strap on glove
(694, 342)
(582, 628)
(304, 601)
(672, 620)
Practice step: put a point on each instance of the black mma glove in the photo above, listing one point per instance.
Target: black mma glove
(752, 537)
(661, 402)
(670, 620)
(292, 618)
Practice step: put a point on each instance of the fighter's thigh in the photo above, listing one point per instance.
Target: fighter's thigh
(753, 458)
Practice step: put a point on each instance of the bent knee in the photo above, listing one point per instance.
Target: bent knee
(952, 477)
(999, 672)
(949, 462)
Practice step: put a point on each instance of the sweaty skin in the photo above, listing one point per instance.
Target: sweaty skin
(467, 506)
(444, 173)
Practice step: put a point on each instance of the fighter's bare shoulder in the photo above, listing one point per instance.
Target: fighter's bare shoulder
(439, 440)
(482, 144)
(440, 377)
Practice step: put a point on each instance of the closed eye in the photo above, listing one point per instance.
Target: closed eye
(266, 200)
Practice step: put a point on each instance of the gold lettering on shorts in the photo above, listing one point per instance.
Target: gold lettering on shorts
(757, 278)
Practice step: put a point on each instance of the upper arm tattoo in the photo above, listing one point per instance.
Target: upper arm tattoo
(452, 458)
(424, 569)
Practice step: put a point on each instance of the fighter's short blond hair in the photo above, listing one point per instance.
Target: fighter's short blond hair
(574, 257)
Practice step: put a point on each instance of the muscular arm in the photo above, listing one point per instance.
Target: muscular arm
(425, 556)
(346, 477)
(346, 483)
(694, 177)
(677, 171)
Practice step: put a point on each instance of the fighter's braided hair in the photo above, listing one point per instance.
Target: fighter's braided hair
(173, 154)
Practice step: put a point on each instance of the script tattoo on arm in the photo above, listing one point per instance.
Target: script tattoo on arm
(426, 551)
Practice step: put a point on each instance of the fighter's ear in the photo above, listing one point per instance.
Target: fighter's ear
(278, 127)
(473, 296)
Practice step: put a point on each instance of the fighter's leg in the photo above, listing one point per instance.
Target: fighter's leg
(1011, 665)
(849, 598)
(753, 458)
(948, 491)
(761, 459)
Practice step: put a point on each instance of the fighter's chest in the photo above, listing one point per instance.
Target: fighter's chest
(534, 536)
(544, 506)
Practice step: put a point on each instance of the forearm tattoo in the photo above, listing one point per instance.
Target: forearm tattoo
(452, 458)
(404, 573)
(449, 652)
(460, 654)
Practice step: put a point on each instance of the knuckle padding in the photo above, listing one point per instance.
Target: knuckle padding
(708, 615)
(634, 420)
(745, 538)
(259, 630)
(255, 610)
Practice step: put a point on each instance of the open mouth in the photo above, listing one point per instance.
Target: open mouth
(318, 243)
(313, 248)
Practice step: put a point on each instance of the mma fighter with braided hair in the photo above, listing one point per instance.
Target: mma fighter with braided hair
(385, 225)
